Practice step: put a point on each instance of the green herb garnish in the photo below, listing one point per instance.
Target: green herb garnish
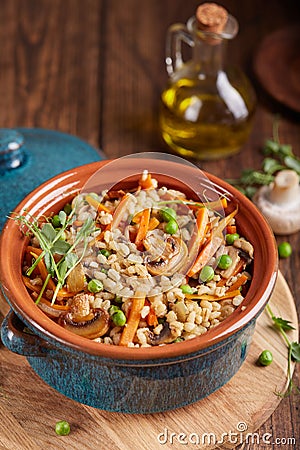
(293, 350)
(278, 157)
(52, 241)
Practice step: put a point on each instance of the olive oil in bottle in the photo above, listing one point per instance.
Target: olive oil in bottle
(206, 110)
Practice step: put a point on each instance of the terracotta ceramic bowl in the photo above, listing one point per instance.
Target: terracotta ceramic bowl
(117, 378)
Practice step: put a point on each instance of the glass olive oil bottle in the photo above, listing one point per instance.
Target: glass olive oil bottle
(207, 109)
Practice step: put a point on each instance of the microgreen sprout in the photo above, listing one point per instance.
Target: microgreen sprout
(277, 157)
(52, 241)
(293, 350)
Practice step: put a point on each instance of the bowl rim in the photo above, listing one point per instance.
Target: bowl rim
(68, 183)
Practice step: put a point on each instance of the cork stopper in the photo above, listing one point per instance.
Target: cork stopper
(211, 18)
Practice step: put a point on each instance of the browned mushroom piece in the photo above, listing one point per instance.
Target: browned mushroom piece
(170, 260)
(95, 325)
(245, 246)
(164, 337)
(80, 306)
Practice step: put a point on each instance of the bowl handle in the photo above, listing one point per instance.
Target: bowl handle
(15, 337)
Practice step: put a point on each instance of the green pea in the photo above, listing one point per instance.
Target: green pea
(161, 320)
(105, 252)
(284, 249)
(113, 309)
(225, 262)
(207, 273)
(171, 227)
(265, 358)
(167, 214)
(119, 318)
(186, 289)
(95, 286)
(62, 428)
(118, 299)
(67, 208)
(56, 221)
(230, 238)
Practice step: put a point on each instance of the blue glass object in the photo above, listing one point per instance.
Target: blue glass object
(30, 156)
(11, 150)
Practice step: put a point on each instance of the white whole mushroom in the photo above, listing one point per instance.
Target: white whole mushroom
(280, 202)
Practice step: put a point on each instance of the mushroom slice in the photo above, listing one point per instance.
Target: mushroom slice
(280, 202)
(173, 257)
(92, 328)
(154, 243)
(164, 337)
(245, 246)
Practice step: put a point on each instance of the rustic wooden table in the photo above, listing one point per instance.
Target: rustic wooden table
(95, 68)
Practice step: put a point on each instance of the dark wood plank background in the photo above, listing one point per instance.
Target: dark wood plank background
(95, 68)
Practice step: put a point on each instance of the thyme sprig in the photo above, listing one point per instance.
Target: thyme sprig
(52, 242)
(293, 350)
(277, 157)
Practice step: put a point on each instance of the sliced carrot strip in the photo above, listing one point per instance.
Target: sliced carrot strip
(222, 282)
(153, 223)
(44, 272)
(206, 253)
(239, 267)
(37, 289)
(29, 285)
(132, 324)
(212, 245)
(151, 318)
(201, 222)
(117, 218)
(231, 229)
(100, 236)
(36, 250)
(64, 293)
(213, 298)
(137, 217)
(238, 283)
(143, 228)
(147, 183)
